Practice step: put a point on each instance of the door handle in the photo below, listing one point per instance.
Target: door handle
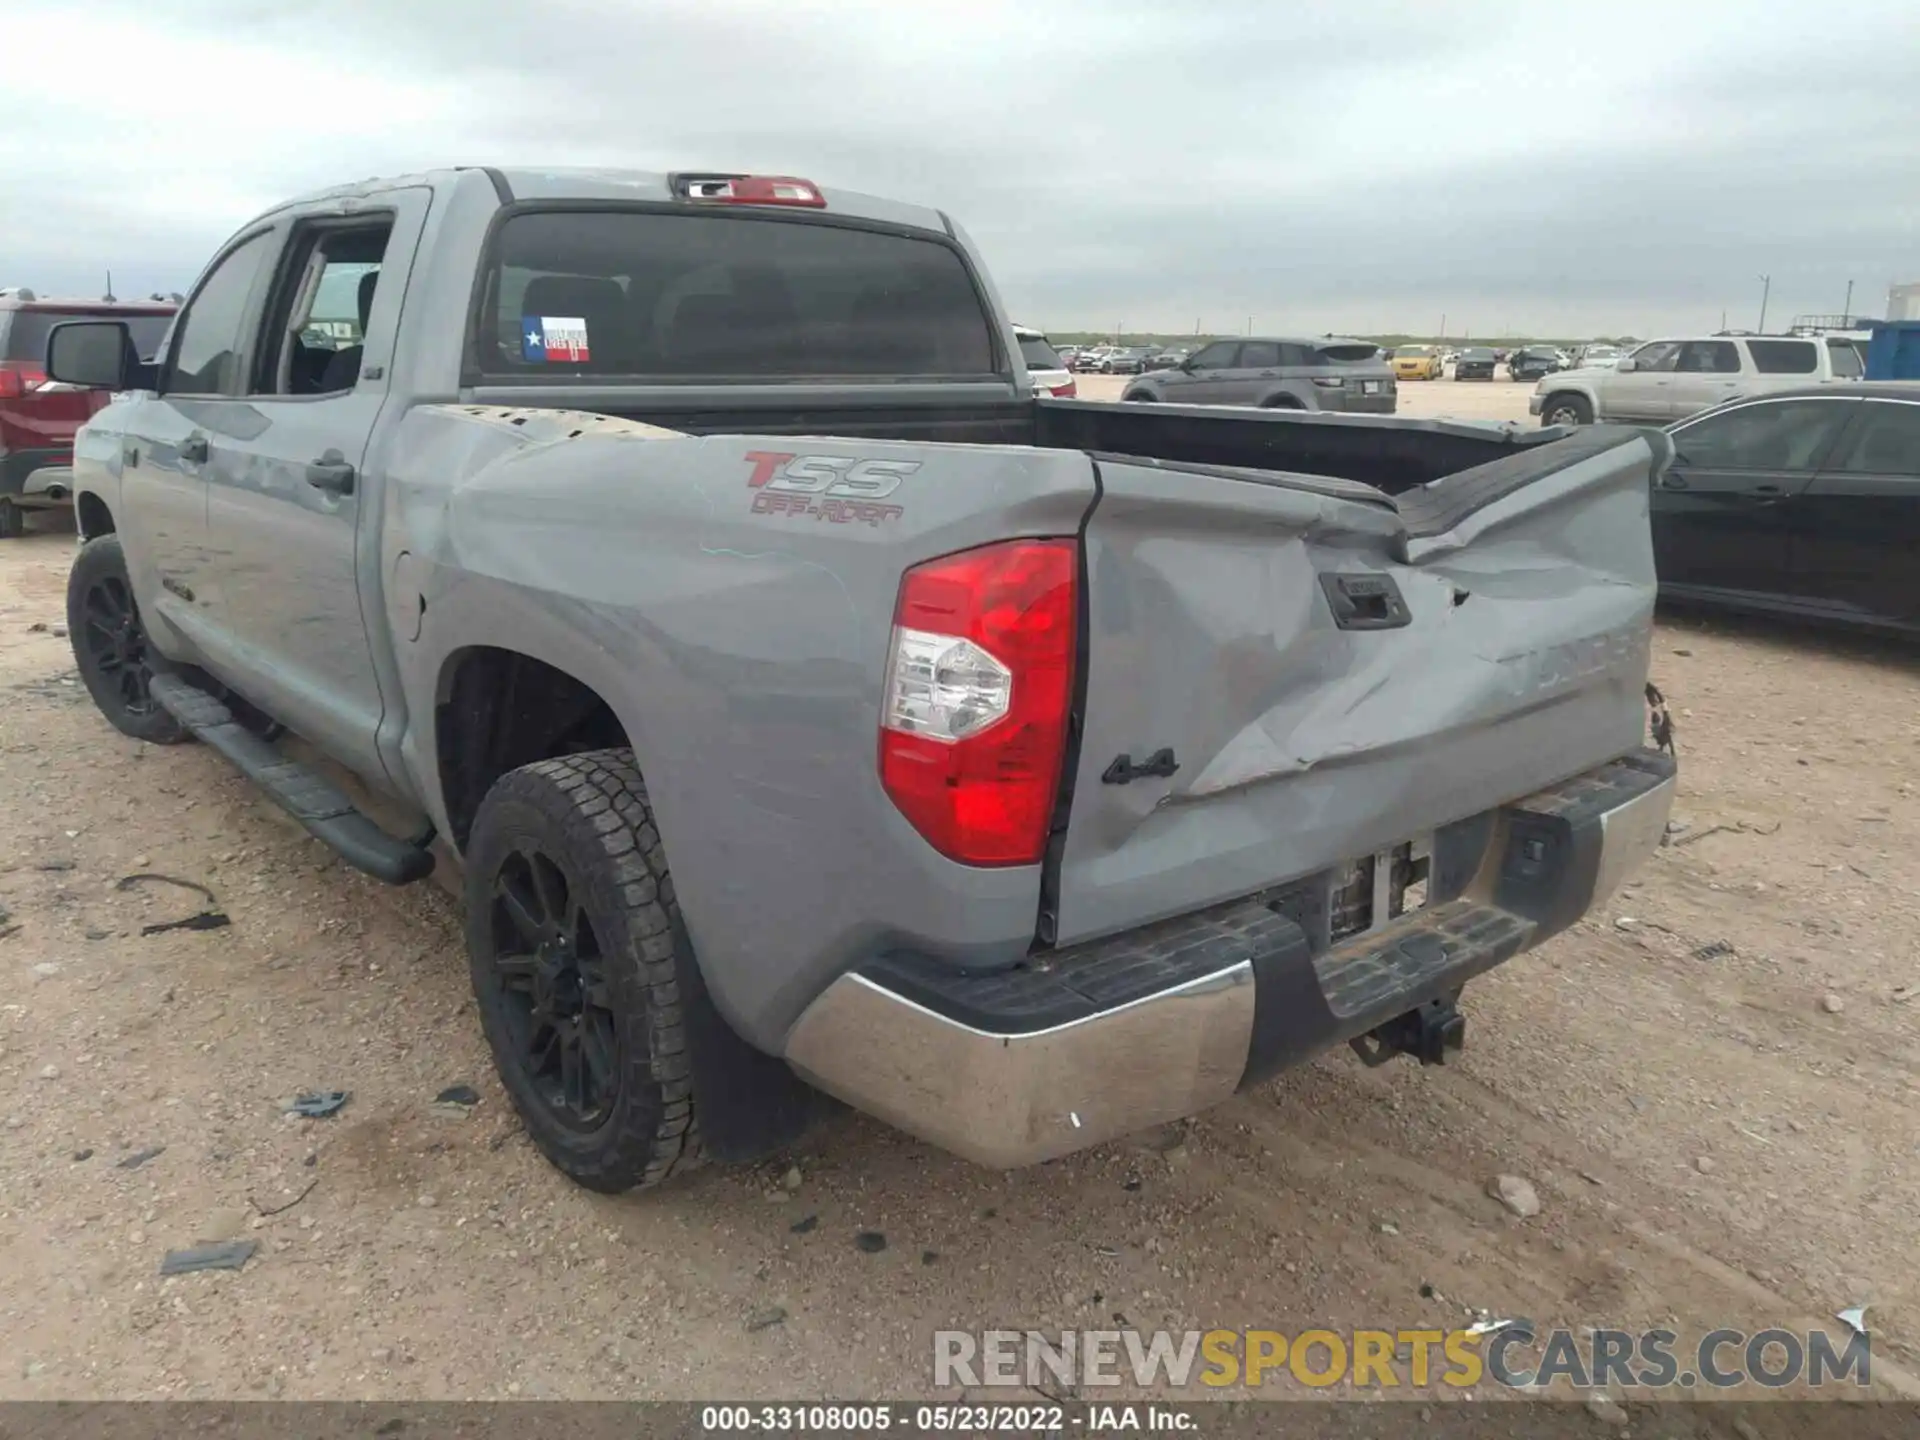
(1670, 481)
(1762, 494)
(331, 473)
(194, 449)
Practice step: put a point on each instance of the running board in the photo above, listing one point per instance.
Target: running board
(319, 805)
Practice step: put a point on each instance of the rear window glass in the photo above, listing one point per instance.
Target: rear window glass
(1038, 354)
(1348, 354)
(23, 333)
(1783, 357)
(1412, 352)
(1476, 355)
(728, 297)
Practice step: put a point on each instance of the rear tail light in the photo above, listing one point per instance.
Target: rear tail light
(1329, 382)
(15, 383)
(1069, 389)
(979, 689)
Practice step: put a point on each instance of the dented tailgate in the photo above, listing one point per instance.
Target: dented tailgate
(1333, 673)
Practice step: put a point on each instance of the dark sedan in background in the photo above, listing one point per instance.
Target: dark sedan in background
(1533, 361)
(1805, 502)
(1474, 364)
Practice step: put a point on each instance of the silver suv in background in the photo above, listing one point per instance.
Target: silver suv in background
(1665, 380)
(1277, 374)
(1045, 367)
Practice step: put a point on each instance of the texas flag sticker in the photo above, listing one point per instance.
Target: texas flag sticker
(560, 339)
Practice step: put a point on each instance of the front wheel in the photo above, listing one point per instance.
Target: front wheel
(576, 950)
(1566, 410)
(110, 644)
(1141, 397)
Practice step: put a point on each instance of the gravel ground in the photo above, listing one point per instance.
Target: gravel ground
(1711, 1087)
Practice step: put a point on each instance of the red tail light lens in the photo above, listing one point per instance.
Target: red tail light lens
(16, 382)
(1068, 390)
(979, 688)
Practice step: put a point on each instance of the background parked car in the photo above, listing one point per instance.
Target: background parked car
(1284, 374)
(1090, 358)
(1166, 359)
(1045, 367)
(37, 420)
(1595, 357)
(1125, 360)
(1475, 363)
(1417, 362)
(1804, 502)
(1666, 380)
(1530, 362)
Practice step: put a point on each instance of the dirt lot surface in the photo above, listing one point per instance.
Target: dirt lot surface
(1711, 1086)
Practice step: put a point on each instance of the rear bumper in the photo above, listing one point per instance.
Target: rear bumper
(1089, 1043)
(19, 471)
(1343, 402)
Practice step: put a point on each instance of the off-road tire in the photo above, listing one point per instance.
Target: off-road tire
(1574, 408)
(591, 814)
(98, 579)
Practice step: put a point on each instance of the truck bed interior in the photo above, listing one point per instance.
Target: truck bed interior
(1392, 455)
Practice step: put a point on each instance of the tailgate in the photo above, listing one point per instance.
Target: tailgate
(1493, 640)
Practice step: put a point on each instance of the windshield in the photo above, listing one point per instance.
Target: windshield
(23, 333)
(1038, 354)
(1413, 352)
(1476, 355)
(728, 297)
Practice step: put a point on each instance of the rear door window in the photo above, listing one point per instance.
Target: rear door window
(1709, 357)
(1038, 354)
(1784, 357)
(1777, 435)
(1885, 442)
(731, 297)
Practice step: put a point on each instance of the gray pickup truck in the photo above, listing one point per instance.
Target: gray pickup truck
(809, 708)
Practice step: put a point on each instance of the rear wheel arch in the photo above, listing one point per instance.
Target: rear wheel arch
(499, 714)
(1140, 394)
(1282, 400)
(93, 515)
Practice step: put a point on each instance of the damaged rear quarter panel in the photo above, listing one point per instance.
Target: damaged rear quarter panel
(1301, 745)
(742, 650)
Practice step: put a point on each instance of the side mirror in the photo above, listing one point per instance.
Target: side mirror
(1187, 364)
(95, 355)
(1624, 366)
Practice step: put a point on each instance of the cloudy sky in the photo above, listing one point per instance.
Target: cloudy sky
(1362, 165)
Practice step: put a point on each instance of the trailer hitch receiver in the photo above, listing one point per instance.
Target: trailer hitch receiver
(1427, 1034)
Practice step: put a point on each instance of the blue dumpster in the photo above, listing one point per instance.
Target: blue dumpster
(1894, 353)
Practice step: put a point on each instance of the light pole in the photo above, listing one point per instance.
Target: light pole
(1766, 289)
(1846, 315)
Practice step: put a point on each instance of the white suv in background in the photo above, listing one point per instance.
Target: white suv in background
(1667, 380)
(1045, 367)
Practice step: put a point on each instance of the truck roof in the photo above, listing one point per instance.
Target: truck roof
(537, 183)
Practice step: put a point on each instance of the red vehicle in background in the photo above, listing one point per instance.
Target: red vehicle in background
(38, 420)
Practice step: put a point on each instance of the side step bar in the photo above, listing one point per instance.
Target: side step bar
(310, 798)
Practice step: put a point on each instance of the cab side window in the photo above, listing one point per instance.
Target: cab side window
(1657, 357)
(209, 345)
(1259, 355)
(317, 328)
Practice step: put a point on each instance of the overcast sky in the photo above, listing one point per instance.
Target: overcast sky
(1364, 165)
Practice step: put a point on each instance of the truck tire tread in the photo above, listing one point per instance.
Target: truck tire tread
(600, 800)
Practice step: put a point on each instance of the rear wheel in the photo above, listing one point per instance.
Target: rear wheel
(13, 521)
(1566, 410)
(110, 644)
(576, 949)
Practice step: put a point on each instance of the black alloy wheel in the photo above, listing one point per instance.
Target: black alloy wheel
(110, 647)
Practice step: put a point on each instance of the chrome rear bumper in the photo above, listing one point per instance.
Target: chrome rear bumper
(1083, 1045)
